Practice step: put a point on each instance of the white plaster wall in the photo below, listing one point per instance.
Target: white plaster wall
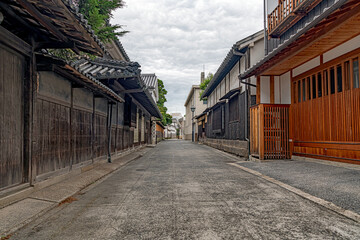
(223, 90)
(346, 47)
(253, 89)
(199, 104)
(136, 130)
(83, 98)
(285, 84)
(271, 5)
(188, 116)
(277, 93)
(228, 83)
(199, 108)
(306, 66)
(142, 128)
(234, 73)
(242, 70)
(265, 89)
(257, 52)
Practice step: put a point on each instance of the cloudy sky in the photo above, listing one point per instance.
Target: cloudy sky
(176, 38)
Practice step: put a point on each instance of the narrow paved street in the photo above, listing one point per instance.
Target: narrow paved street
(181, 190)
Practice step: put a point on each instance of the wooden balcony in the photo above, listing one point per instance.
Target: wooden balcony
(269, 131)
(286, 14)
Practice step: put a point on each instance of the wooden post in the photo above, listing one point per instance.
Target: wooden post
(261, 131)
(116, 127)
(29, 112)
(93, 132)
(291, 118)
(258, 92)
(72, 140)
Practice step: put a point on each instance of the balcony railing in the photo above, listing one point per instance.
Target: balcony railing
(287, 13)
(269, 131)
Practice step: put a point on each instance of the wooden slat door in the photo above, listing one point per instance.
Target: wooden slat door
(12, 67)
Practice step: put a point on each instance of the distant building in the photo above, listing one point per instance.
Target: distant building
(177, 120)
(151, 82)
(193, 100)
(224, 124)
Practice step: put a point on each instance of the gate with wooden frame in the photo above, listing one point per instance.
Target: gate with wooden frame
(269, 131)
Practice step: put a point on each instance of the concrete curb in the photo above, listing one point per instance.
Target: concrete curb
(118, 163)
(329, 205)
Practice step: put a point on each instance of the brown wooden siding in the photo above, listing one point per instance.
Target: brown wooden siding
(82, 135)
(101, 140)
(326, 118)
(52, 136)
(12, 67)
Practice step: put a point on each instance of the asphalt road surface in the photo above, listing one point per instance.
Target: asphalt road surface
(181, 190)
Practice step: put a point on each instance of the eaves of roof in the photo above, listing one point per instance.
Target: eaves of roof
(59, 21)
(82, 78)
(122, 50)
(127, 74)
(260, 66)
(150, 80)
(230, 60)
(218, 104)
(230, 93)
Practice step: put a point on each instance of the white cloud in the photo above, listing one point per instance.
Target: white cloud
(175, 39)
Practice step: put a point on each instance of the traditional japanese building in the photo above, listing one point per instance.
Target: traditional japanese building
(55, 115)
(224, 124)
(308, 83)
(193, 102)
(159, 131)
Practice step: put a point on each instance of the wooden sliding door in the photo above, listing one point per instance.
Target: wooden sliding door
(325, 112)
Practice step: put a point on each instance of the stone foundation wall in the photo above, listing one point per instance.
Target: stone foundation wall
(237, 147)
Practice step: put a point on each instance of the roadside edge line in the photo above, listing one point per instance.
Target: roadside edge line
(329, 205)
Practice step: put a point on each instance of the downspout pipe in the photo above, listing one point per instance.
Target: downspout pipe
(247, 61)
(265, 32)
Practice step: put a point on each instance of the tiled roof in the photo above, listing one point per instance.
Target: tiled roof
(86, 79)
(150, 80)
(230, 60)
(57, 21)
(105, 68)
(122, 49)
(127, 74)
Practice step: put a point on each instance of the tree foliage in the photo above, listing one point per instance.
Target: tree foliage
(204, 84)
(167, 119)
(98, 14)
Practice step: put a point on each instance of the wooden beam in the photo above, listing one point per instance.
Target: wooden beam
(308, 39)
(13, 41)
(258, 92)
(133, 90)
